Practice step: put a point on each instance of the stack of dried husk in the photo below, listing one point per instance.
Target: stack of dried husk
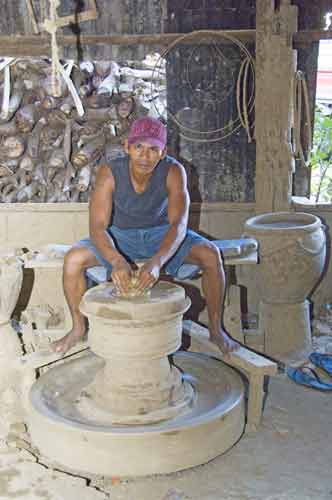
(48, 153)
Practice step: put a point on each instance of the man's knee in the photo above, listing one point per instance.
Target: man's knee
(208, 256)
(77, 259)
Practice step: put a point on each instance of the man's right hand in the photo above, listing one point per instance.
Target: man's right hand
(121, 274)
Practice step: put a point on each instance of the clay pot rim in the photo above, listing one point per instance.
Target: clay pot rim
(257, 224)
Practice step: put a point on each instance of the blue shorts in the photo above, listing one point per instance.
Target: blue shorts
(142, 244)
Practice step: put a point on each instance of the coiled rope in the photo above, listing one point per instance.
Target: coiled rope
(243, 109)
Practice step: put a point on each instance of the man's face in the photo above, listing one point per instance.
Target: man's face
(144, 157)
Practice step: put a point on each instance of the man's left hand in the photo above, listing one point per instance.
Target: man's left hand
(148, 275)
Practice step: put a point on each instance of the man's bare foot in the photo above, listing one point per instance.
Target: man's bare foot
(225, 343)
(63, 345)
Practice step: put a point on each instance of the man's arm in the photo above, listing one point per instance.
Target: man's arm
(100, 212)
(178, 211)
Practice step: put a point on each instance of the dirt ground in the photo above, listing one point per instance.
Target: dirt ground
(288, 458)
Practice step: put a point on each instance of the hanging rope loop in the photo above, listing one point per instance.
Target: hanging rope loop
(242, 108)
(301, 105)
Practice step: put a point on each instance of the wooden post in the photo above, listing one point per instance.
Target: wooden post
(275, 68)
(255, 402)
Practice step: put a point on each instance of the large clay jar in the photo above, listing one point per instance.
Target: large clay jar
(292, 251)
(291, 254)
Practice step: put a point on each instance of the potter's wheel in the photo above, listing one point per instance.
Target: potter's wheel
(124, 409)
(64, 428)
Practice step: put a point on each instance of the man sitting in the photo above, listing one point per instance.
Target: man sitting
(139, 211)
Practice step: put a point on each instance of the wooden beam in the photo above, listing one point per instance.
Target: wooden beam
(40, 45)
(33, 45)
(305, 38)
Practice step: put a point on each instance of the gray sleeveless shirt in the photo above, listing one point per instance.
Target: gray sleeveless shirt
(133, 210)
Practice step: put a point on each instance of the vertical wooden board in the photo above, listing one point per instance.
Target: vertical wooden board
(275, 68)
(213, 14)
(255, 402)
(120, 17)
(12, 17)
(264, 189)
(127, 16)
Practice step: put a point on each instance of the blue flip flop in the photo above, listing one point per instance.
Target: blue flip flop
(304, 375)
(323, 361)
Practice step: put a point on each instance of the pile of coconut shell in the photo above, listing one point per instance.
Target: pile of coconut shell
(48, 150)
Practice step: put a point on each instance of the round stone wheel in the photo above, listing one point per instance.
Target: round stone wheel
(66, 427)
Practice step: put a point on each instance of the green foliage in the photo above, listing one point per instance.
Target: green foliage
(321, 158)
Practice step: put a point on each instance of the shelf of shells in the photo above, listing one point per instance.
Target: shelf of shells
(52, 141)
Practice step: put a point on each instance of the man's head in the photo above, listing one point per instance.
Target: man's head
(146, 143)
(148, 130)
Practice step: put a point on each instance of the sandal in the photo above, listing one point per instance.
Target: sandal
(304, 375)
(323, 361)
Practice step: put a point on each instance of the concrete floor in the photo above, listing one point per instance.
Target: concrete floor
(289, 458)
